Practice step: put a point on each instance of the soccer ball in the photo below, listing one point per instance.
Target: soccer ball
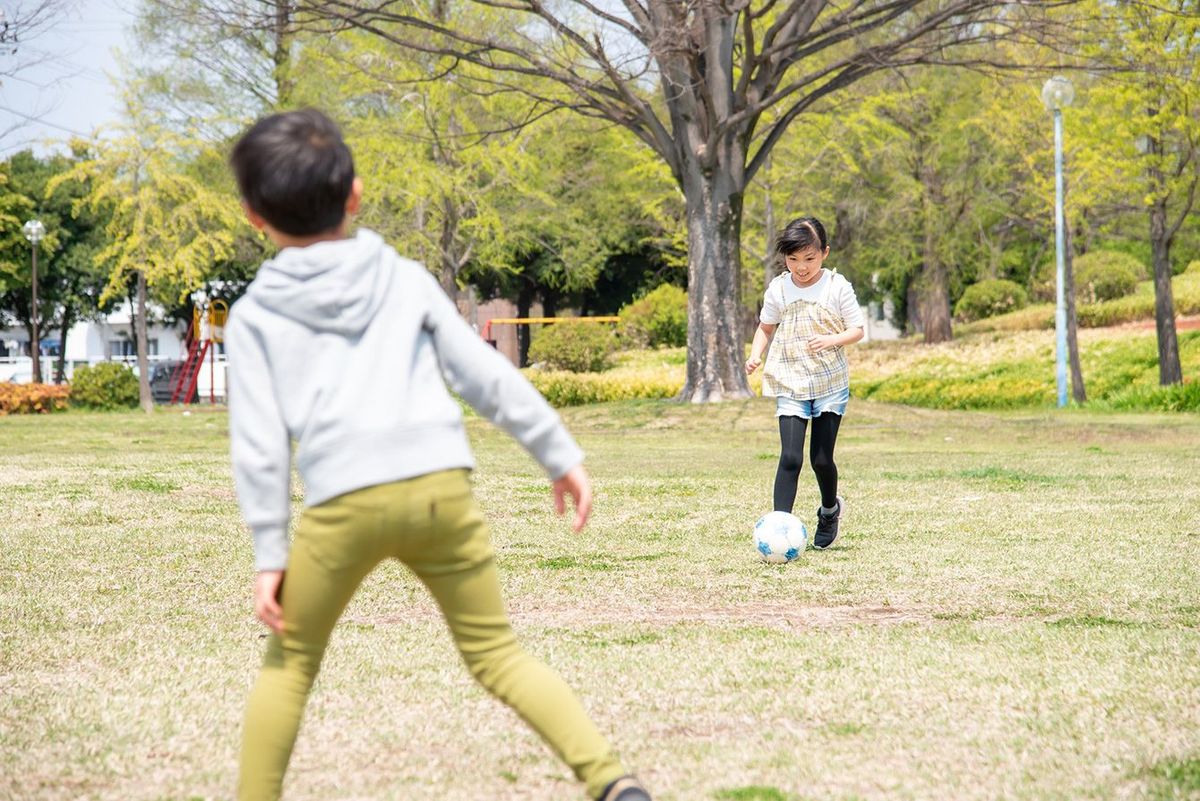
(779, 537)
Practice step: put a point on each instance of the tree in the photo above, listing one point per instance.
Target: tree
(204, 62)
(15, 209)
(68, 284)
(910, 181)
(1151, 138)
(718, 68)
(166, 228)
(586, 197)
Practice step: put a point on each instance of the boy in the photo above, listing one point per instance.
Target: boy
(341, 345)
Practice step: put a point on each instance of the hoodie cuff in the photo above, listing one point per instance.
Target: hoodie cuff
(270, 547)
(562, 458)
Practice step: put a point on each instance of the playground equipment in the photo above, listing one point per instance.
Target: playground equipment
(205, 332)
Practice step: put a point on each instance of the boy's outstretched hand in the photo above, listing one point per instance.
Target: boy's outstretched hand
(266, 599)
(576, 484)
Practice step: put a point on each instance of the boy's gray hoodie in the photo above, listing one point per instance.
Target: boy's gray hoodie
(342, 346)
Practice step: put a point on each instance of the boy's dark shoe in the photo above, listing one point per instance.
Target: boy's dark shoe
(827, 526)
(626, 788)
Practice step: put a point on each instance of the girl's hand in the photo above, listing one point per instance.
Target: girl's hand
(820, 343)
(266, 599)
(752, 364)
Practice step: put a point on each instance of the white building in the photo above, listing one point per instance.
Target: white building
(92, 341)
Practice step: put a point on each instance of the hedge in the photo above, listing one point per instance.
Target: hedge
(576, 347)
(576, 389)
(33, 398)
(990, 298)
(1102, 275)
(1185, 288)
(107, 385)
(658, 320)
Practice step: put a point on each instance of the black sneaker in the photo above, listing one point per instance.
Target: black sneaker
(827, 526)
(626, 788)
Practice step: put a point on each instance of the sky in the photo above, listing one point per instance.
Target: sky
(66, 88)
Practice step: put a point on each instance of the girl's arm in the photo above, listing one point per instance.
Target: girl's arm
(847, 337)
(762, 338)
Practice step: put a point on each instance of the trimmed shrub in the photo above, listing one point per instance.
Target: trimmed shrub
(1106, 275)
(577, 389)
(575, 347)
(1140, 305)
(107, 385)
(1086, 266)
(33, 398)
(1193, 268)
(989, 298)
(1030, 318)
(1136, 307)
(657, 320)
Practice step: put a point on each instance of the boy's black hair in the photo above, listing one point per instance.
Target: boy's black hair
(801, 234)
(294, 169)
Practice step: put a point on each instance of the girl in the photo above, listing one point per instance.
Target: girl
(817, 315)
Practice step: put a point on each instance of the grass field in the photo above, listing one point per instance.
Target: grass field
(1014, 613)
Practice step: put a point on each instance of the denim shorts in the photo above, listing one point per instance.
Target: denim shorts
(787, 406)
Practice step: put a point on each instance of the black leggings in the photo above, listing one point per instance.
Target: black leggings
(820, 455)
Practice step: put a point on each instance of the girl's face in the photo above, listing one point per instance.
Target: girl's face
(805, 265)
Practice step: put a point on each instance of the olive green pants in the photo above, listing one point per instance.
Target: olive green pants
(433, 526)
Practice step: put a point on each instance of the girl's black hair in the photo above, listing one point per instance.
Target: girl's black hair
(801, 234)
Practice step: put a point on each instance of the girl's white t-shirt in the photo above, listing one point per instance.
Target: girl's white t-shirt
(838, 298)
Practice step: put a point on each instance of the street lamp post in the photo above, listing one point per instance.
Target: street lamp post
(1057, 94)
(34, 231)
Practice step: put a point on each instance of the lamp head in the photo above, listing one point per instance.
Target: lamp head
(1058, 93)
(34, 231)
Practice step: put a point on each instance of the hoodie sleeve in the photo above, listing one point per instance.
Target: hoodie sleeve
(493, 387)
(259, 445)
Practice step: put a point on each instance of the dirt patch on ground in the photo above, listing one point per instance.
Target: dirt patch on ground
(1181, 324)
(771, 615)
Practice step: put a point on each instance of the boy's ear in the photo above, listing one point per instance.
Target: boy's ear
(254, 217)
(355, 199)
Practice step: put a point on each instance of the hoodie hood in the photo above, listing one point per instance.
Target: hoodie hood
(335, 287)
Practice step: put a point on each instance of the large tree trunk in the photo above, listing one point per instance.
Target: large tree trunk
(1077, 389)
(935, 302)
(715, 347)
(933, 284)
(1169, 369)
(146, 399)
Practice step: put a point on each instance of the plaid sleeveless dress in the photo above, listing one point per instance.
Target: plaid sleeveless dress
(792, 370)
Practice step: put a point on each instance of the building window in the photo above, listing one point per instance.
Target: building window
(127, 348)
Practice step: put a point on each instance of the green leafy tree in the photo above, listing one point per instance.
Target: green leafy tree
(69, 285)
(695, 83)
(16, 264)
(1142, 121)
(166, 227)
(15, 209)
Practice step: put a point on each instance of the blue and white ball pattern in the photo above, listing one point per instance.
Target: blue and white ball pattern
(780, 537)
